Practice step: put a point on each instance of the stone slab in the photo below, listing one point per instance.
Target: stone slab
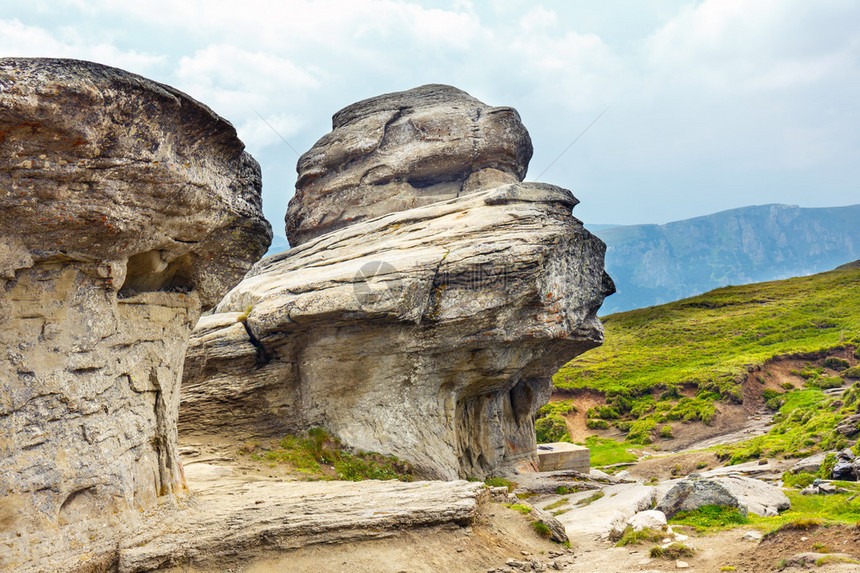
(563, 456)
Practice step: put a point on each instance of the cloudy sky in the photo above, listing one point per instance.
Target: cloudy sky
(710, 105)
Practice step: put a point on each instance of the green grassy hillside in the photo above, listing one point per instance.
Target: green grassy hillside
(677, 361)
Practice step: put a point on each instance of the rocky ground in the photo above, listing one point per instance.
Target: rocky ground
(493, 538)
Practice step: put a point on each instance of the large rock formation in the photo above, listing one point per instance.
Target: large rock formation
(429, 333)
(126, 207)
(403, 150)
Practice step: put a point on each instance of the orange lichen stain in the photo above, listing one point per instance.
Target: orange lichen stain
(79, 141)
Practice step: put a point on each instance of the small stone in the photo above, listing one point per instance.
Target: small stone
(682, 565)
(751, 536)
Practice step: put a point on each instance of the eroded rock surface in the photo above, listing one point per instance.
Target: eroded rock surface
(430, 334)
(404, 150)
(235, 520)
(126, 207)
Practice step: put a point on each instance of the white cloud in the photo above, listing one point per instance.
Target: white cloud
(732, 45)
(19, 40)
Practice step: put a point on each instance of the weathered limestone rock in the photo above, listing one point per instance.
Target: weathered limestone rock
(648, 519)
(609, 515)
(430, 334)
(745, 494)
(425, 331)
(125, 208)
(230, 527)
(403, 150)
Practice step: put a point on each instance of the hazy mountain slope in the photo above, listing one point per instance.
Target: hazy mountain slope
(652, 264)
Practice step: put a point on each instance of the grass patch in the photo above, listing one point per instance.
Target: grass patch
(542, 529)
(500, 482)
(524, 509)
(799, 480)
(606, 451)
(806, 422)
(591, 499)
(810, 511)
(556, 505)
(550, 425)
(630, 537)
(672, 552)
(317, 455)
(710, 518)
(834, 559)
(715, 336)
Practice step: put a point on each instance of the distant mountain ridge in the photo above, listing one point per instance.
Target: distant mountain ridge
(654, 264)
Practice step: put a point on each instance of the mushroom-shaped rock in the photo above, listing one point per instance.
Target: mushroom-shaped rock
(404, 150)
(125, 208)
(430, 334)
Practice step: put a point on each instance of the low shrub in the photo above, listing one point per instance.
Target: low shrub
(835, 363)
(542, 529)
(640, 431)
(853, 372)
(710, 516)
(500, 482)
(630, 537)
(551, 428)
(799, 480)
(826, 467)
(524, 509)
(672, 552)
(594, 424)
(826, 382)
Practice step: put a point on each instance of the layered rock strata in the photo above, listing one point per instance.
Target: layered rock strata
(430, 333)
(126, 207)
(404, 150)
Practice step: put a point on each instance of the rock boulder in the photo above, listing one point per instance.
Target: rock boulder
(125, 208)
(404, 150)
(430, 334)
(745, 494)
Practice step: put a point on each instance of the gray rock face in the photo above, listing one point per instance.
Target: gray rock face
(430, 334)
(404, 150)
(125, 208)
(229, 528)
(809, 465)
(843, 469)
(745, 494)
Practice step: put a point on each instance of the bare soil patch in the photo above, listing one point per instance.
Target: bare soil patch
(585, 399)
